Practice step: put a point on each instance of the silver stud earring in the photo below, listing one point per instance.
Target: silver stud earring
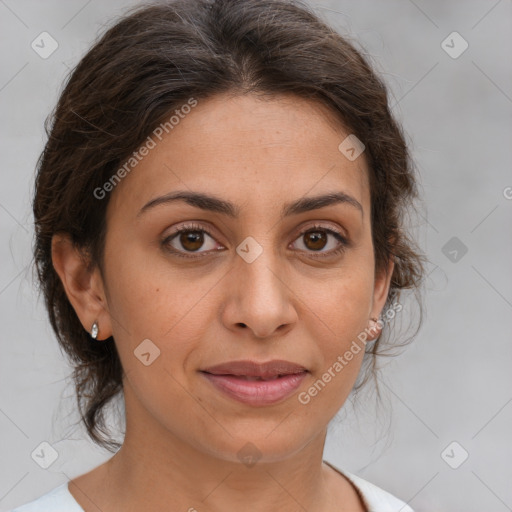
(94, 330)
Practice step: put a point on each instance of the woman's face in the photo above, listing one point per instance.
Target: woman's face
(252, 285)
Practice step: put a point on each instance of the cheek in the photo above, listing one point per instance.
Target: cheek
(336, 315)
(340, 348)
(158, 322)
(340, 305)
(150, 300)
(146, 297)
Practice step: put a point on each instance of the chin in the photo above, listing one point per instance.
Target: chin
(257, 441)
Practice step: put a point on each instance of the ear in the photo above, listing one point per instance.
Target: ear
(380, 295)
(84, 287)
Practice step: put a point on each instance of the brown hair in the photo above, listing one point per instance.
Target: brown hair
(150, 63)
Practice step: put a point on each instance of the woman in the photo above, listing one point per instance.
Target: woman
(219, 238)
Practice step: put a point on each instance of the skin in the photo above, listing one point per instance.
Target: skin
(182, 435)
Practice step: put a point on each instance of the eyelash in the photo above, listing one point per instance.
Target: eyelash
(344, 243)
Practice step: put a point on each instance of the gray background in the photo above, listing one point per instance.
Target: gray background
(453, 383)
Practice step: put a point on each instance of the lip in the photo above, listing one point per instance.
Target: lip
(248, 368)
(283, 379)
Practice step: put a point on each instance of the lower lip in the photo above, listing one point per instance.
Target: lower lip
(257, 392)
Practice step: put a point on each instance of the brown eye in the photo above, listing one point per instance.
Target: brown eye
(191, 240)
(315, 240)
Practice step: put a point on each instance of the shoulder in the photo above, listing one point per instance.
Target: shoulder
(58, 499)
(375, 498)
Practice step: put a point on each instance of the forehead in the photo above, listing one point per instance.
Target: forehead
(256, 151)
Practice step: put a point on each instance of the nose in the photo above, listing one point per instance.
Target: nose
(258, 297)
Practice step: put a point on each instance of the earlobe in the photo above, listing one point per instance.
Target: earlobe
(83, 286)
(374, 329)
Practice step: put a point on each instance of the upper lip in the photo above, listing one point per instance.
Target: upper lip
(272, 368)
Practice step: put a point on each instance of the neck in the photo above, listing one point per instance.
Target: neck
(154, 475)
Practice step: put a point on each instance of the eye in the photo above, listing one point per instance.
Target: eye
(316, 238)
(189, 238)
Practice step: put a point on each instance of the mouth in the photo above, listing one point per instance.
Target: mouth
(254, 370)
(256, 384)
(248, 377)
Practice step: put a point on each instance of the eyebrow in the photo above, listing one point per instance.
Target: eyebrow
(217, 205)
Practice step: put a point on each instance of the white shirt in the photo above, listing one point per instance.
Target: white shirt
(374, 498)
